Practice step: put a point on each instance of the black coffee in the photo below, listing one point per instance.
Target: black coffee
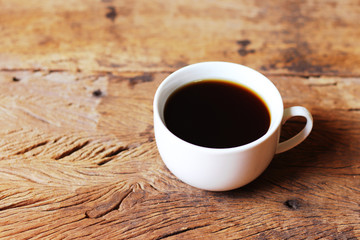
(216, 113)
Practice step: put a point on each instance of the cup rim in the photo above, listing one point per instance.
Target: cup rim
(272, 128)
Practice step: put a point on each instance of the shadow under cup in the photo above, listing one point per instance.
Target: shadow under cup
(218, 169)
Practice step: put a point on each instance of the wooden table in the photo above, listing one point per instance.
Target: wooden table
(78, 158)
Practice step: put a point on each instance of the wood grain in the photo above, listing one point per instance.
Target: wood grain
(78, 158)
(292, 37)
(67, 176)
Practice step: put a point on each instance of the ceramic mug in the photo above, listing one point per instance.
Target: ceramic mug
(222, 169)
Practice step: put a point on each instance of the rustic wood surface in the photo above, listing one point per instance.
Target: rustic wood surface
(78, 159)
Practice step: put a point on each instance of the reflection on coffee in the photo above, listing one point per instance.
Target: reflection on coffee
(216, 113)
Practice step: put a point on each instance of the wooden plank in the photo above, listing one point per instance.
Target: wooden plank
(284, 37)
(85, 165)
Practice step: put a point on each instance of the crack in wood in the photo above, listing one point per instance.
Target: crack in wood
(108, 157)
(112, 204)
(32, 147)
(117, 151)
(182, 230)
(21, 204)
(118, 72)
(71, 150)
(323, 84)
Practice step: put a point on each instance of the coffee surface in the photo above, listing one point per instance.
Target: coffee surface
(216, 113)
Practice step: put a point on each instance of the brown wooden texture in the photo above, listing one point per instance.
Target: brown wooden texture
(296, 36)
(78, 159)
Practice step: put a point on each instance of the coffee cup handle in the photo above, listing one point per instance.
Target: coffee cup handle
(298, 138)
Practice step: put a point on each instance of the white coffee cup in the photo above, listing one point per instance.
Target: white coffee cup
(221, 169)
